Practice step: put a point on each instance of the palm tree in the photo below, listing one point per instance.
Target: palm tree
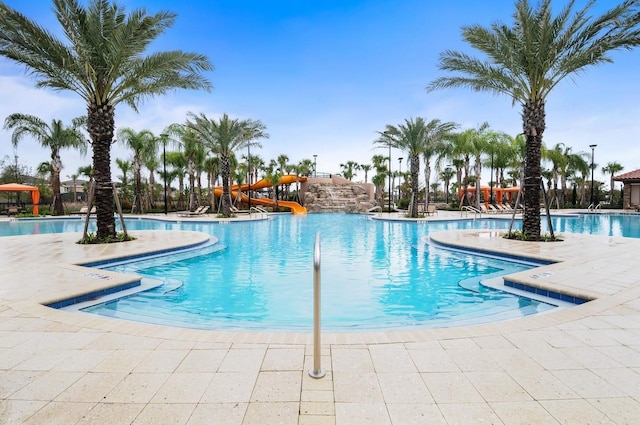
(86, 171)
(528, 59)
(223, 137)
(54, 136)
(366, 168)
(142, 143)
(436, 135)
(305, 167)
(416, 137)
(459, 150)
(178, 163)
(125, 167)
(193, 153)
(446, 175)
(559, 162)
(103, 62)
(612, 168)
(379, 163)
(283, 165)
(349, 169)
(211, 166)
(44, 171)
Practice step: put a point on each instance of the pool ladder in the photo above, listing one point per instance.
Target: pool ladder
(317, 371)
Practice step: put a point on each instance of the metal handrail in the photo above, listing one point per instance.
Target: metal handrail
(259, 210)
(317, 371)
(594, 208)
(472, 209)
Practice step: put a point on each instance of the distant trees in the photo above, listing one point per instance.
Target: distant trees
(54, 136)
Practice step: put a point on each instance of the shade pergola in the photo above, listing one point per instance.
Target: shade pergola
(17, 187)
(498, 191)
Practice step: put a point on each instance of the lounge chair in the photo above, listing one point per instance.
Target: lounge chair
(236, 210)
(12, 211)
(199, 211)
(431, 209)
(84, 210)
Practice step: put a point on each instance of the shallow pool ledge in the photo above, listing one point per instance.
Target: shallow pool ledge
(48, 268)
(583, 266)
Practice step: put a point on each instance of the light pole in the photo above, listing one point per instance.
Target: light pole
(491, 178)
(249, 170)
(593, 148)
(315, 163)
(389, 206)
(399, 176)
(164, 169)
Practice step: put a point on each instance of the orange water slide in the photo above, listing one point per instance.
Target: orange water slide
(295, 207)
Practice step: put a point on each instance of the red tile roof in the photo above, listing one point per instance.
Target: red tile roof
(631, 175)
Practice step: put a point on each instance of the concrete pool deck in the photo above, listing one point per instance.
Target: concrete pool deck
(573, 366)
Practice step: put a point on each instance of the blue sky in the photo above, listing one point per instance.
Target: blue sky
(325, 76)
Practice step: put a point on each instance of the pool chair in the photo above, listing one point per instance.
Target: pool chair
(431, 209)
(236, 210)
(199, 211)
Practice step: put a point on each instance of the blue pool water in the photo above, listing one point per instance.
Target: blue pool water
(375, 274)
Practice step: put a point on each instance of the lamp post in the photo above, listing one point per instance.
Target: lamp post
(164, 169)
(399, 176)
(315, 163)
(593, 148)
(491, 178)
(249, 172)
(389, 203)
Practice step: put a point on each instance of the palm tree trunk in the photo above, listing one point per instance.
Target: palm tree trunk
(192, 183)
(56, 166)
(225, 171)
(414, 163)
(477, 169)
(100, 125)
(137, 170)
(533, 127)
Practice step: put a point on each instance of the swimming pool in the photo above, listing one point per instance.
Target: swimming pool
(375, 274)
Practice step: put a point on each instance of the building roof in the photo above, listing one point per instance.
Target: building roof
(630, 176)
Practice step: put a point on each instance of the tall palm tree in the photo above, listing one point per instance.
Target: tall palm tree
(305, 167)
(142, 143)
(193, 152)
(612, 168)
(416, 137)
(366, 168)
(223, 137)
(436, 135)
(283, 165)
(349, 169)
(54, 136)
(178, 163)
(104, 62)
(478, 142)
(528, 59)
(211, 166)
(86, 171)
(459, 149)
(126, 168)
(379, 163)
(559, 160)
(446, 175)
